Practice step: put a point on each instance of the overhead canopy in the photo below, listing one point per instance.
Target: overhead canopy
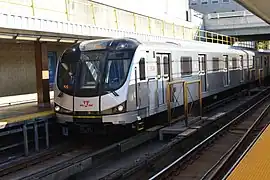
(260, 8)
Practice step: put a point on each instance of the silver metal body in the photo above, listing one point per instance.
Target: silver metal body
(147, 97)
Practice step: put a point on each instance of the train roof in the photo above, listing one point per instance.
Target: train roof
(190, 45)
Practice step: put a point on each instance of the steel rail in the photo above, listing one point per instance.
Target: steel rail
(236, 148)
(245, 152)
(180, 159)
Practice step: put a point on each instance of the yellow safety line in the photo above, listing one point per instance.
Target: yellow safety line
(86, 117)
(27, 117)
(255, 164)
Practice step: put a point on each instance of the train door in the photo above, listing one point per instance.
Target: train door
(163, 76)
(226, 70)
(203, 71)
(242, 68)
(266, 68)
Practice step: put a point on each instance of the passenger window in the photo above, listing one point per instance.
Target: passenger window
(202, 64)
(142, 69)
(166, 65)
(186, 65)
(215, 64)
(234, 63)
(158, 66)
(241, 61)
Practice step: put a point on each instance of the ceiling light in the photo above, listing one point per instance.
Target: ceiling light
(48, 39)
(2, 36)
(67, 40)
(26, 38)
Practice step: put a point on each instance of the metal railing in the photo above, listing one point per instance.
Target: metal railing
(186, 93)
(229, 14)
(171, 97)
(100, 15)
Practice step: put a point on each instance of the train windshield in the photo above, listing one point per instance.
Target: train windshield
(92, 73)
(91, 69)
(116, 70)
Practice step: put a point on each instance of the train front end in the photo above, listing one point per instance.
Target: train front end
(92, 80)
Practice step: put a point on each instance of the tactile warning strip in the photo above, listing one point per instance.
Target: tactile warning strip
(256, 163)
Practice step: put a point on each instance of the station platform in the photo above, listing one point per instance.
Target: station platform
(255, 163)
(16, 114)
(15, 110)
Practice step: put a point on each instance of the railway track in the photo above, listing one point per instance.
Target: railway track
(77, 159)
(211, 158)
(71, 147)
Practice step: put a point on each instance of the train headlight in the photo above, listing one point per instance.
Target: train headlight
(120, 108)
(57, 108)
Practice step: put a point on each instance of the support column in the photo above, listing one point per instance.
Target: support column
(42, 74)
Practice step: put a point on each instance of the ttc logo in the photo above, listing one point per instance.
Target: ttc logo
(86, 104)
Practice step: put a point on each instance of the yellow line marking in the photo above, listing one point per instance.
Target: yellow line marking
(84, 117)
(26, 117)
(256, 163)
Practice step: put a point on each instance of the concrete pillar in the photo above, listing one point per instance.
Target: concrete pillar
(42, 74)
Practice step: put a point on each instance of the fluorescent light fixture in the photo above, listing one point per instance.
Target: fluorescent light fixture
(3, 36)
(67, 40)
(26, 38)
(48, 39)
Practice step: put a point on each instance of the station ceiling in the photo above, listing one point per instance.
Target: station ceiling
(260, 8)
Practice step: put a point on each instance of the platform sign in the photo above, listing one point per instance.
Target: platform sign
(52, 57)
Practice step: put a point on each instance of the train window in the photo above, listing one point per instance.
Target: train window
(166, 65)
(202, 63)
(241, 61)
(142, 69)
(186, 65)
(193, 2)
(158, 66)
(204, 1)
(215, 64)
(234, 63)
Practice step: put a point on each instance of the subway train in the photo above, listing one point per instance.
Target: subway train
(123, 81)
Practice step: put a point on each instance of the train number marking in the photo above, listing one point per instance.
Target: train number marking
(86, 104)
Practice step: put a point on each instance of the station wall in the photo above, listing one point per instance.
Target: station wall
(158, 9)
(17, 66)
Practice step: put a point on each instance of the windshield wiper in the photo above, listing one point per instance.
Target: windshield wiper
(113, 92)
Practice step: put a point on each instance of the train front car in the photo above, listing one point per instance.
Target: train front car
(92, 82)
